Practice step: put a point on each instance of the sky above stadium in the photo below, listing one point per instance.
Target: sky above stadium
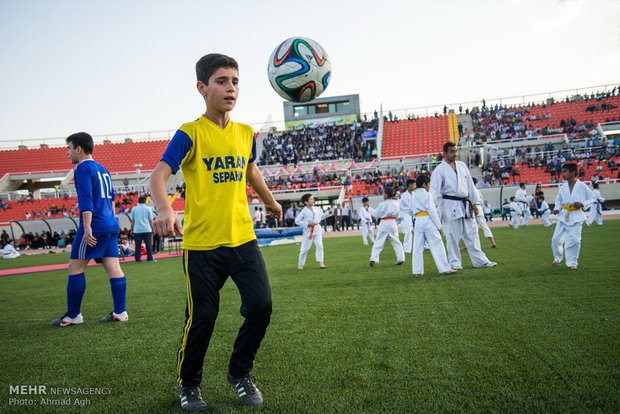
(115, 66)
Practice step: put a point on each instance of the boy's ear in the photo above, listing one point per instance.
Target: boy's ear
(202, 88)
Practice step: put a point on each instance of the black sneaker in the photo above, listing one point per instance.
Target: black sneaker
(248, 393)
(191, 400)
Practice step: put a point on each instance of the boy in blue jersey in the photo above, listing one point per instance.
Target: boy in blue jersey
(97, 235)
(216, 156)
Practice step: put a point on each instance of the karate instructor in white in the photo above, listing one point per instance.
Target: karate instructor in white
(452, 183)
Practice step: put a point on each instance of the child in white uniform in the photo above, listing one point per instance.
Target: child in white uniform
(596, 210)
(366, 219)
(9, 252)
(427, 227)
(515, 212)
(310, 219)
(524, 204)
(480, 216)
(388, 212)
(406, 224)
(572, 198)
(544, 211)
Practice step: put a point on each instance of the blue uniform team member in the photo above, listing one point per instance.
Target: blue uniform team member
(97, 235)
(216, 156)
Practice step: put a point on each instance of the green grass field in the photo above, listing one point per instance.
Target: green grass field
(521, 337)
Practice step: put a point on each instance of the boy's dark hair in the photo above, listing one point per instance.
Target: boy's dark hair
(421, 180)
(142, 199)
(541, 197)
(513, 198)
(305, 198)
(522, 185)
(410, 181)
(208, 64)
(594, 185)
(390, 192)
(571, 167)
(448, 145)
(365, 200)
(83, 140)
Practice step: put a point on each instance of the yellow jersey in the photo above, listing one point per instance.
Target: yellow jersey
(214, 162)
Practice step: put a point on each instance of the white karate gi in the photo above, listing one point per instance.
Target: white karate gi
(315, 215)
(566, 239)
(406, 224)
(515, 213)
(545, 212)
(366, 219)
(596, 210)
(426, 230)
(524, 202)
(457, 222)
(480, 219)
(388, 229)
(9, 252)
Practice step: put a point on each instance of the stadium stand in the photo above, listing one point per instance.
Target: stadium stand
(117, 157)
(577, 119)
(408, 138)
(320, 143)
(43, 208)
(419, 140)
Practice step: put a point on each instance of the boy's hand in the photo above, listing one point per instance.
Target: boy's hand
(577, 204)
(556, 211)
(274, 209)
(167, 224)
(88, 236)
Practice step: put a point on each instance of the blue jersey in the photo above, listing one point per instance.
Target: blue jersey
(95, 194)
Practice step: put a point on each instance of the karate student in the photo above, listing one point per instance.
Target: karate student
(480, 216)
(427, 228)
(524, 203)
(572, 198)
(515, 212)
(310, 219)
(544, 211)
(9, 252)
(388, 212)
(366, 218)
(451, 181)
(596, 211)
(406, 224)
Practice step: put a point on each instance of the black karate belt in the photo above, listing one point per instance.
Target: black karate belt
(468, 209)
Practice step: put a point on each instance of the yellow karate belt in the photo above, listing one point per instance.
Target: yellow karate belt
(569, 208)
(421, 213)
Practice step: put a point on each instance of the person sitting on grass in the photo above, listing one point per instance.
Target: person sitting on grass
(9, 252)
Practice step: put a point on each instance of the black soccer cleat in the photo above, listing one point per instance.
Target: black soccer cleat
(248, 393)
(191, 400)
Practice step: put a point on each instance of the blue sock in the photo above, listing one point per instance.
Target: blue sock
(119, 290)
(76, 285)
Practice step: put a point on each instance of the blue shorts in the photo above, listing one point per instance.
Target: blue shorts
(107, 246)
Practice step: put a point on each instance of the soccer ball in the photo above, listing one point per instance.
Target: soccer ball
(299, 69)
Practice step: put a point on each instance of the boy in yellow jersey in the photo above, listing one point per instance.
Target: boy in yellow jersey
(216, 156)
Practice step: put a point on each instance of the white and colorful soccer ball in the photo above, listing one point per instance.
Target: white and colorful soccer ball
(299, 69)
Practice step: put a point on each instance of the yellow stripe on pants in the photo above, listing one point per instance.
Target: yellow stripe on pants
(188, 324)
